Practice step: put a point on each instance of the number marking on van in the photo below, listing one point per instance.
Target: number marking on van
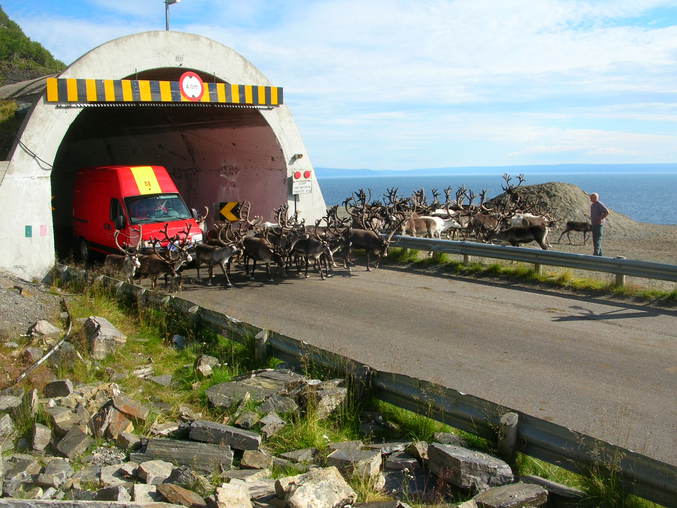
(145, 179)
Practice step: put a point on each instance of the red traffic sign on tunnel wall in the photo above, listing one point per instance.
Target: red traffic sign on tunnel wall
(191, 86)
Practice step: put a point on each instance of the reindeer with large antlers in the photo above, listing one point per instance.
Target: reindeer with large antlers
(258, 249)
(125, 264)
(168, 261)
(221, 254)
(369, 240)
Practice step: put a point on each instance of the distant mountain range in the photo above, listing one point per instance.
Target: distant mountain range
(499, 170)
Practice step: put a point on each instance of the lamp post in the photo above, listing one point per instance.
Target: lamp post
(167, 4)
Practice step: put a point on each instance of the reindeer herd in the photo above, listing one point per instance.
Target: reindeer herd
(289, 243)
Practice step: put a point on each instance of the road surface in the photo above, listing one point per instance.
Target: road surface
(604, 368)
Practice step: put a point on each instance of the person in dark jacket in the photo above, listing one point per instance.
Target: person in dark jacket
(598, 214)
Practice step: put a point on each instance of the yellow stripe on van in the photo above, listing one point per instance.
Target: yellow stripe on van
(146, 180)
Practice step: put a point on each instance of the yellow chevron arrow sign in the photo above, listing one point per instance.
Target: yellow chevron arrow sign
(230, 211)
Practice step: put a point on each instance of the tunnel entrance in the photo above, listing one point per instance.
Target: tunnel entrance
(214, 154)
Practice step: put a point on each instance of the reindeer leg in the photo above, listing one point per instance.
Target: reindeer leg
(227, 273)
(211, 273)
(251, 275)
(307, 263)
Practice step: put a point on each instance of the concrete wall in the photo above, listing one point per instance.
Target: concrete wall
(26, 190)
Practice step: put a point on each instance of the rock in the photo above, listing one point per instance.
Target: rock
(557, 493)
(256, 459)
(467, 468)
(74, 443)
(55, 474)
(247, 475)
(10, 403)
(164, 380)
(179, 342)
(318, 488)
(65, 355)
(103, 337)
(400, 461)
(418, 449)
(339, 445)
(110, 422)
(325, 398)
(117, 474)
(43, 328)
(304, 455)
(231, 393)
(128, 441)
(106, 456)
(449, 438)
(165, 429)
(279, 404)
(361, 463)
(179, 495)
(42, 436)
(154, 472)
(233, 495)
(414, 484)
(212, 432)
(89, 474)
(387, 448)
(201, 456)
(515, 495)
(247, 420)
(7, 431)
(272, 423)
(182, 475)
(32, 354)
(116, 493)
(143, 493)
(63, 419)
(205, 365)
(131, 408)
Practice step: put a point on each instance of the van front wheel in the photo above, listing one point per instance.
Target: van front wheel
(84, 253)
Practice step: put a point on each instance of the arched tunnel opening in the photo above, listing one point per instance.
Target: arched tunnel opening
(214, 154)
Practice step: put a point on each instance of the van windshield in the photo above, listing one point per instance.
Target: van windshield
(156, 208)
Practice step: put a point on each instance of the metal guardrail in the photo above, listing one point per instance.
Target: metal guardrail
(629, 267)
(640, 475)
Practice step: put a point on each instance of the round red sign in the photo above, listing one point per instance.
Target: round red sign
(306, 174)
(191, 86)
(297, 175)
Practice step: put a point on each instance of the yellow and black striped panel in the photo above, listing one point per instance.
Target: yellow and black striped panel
(128, 90)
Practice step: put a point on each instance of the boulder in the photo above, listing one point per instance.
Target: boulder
(59, 388)
(362, 463)
(7, 432)
(279, 404)
(43, 328)
(324, 398)
(418, 449)
(55, 474)
(247, 419)
(515, 495)
(205, 364)
(131, 408)
(116, 493)
(388, 448)
(154, 472)
(42, 436)
(117, 474)
(10, 403)
(449, 438)
(256, 459)
(178, 495)
(272, 423)
(557, 493)
(466, 468)
(201, 456)
(233, 495)
(212, 432)
(63, 419)
(231, 393)
(318, 488)
(103, 337)
(400, 461)
(306, 455)
(74, 443)
(128, 440)
(143, 493)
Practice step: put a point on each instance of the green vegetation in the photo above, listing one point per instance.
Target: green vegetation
(525, 273)
(20, 57)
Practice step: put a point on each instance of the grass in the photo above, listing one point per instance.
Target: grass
(520, 272)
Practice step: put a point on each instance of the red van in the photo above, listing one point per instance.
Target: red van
(131, 199)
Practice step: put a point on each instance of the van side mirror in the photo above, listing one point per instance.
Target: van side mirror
(120, 222)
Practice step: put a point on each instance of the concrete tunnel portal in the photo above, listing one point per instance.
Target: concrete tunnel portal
(214, 154)
(123, 103)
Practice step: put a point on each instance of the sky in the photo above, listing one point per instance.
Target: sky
(402, 84)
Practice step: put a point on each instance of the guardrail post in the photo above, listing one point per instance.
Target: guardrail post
(620, 277)
(507, 436)
(466, 259)
(261, 346)
(538, 268)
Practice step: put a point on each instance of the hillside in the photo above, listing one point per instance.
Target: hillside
(20, 57)
(568, 202)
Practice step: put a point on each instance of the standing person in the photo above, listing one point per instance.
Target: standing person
(598, 214)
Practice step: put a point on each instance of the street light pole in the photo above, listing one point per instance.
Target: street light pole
(167, 4)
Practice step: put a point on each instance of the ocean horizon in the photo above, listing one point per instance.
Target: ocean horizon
(644, 197)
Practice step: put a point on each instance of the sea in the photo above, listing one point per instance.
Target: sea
(642, 197)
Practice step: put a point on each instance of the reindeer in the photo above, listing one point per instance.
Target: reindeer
(314, 245)
(370, 241)
(583, 227)
(125, 264)
(167, 262)
(221, 254)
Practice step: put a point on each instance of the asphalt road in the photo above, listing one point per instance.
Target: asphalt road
(605, 368)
